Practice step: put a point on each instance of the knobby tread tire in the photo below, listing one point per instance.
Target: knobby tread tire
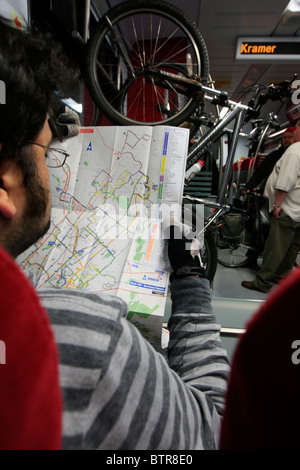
(90, 69)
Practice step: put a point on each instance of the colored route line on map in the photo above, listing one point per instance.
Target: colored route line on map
(150, 245)
(108, 186)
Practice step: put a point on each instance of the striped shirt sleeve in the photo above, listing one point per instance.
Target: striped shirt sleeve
(118, 392)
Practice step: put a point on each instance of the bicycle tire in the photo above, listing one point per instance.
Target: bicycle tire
(106, 71)
(209, 255)
(234, 254)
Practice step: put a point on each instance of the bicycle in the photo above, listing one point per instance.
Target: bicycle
(112, 51)
(175, 93)
(237, 249)
(136, 80)
(241, 237)
(130, 39)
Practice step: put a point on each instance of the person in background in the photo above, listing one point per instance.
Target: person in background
(264, 170)
(258, 180)
(283, 192)
(118, 391)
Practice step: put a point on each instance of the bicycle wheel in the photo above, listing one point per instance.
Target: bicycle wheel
(208, 252)
(129, 38)
(209, 255)
(234, 253)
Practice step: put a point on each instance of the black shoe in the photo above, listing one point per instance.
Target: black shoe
(250, 285)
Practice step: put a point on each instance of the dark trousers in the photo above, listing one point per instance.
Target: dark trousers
(280, 252)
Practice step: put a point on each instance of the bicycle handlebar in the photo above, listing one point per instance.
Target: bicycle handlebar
(192, 87)
(238, 210)
(274, 93)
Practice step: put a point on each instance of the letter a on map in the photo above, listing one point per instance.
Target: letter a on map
(89, 146)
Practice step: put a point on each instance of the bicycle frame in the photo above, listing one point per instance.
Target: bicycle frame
(236, 114)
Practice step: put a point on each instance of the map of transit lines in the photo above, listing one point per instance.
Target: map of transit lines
(107, 204)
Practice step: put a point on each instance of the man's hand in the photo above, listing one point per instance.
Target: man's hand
(183, 255)
(276, 212)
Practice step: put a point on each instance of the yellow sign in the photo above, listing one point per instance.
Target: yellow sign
(268, 49)
(257, 49)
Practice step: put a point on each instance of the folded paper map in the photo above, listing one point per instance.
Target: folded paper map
(108, 202)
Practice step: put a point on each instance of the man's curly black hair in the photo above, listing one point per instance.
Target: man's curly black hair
(33, 70)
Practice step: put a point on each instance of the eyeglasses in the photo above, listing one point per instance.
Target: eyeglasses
(55, 157)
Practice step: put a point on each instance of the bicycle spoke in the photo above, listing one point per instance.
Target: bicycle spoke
(105, 74)
(232, 254)
(156, 91)
(144, 107)
(162, 45)
(128, 40)
(137, 42)
(173, 57)
(120, 45)
(134, 103)
(156, 41)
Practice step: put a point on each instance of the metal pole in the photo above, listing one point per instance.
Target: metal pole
(229, 161)
(212, 136)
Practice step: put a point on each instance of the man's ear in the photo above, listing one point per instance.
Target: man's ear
(7, 206)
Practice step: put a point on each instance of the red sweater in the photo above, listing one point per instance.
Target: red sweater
(30, 397)
(263, 399)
